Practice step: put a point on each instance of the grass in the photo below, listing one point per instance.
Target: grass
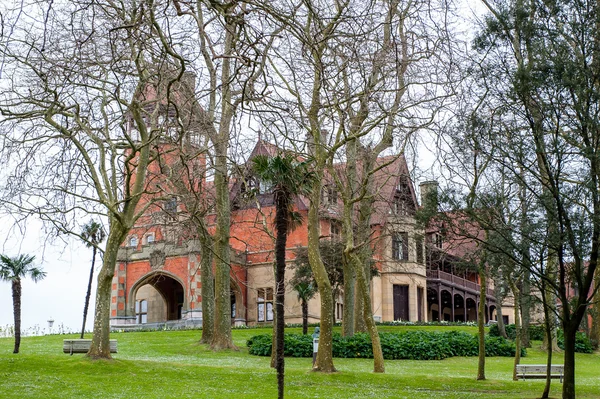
(170, 364)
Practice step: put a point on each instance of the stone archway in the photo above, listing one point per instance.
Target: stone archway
(157, 297)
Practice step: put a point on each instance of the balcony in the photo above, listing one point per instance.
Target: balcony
(457, 282)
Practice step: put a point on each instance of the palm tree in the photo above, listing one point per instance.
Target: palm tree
(305, 291)
(13, 270)
(288, 178)
(92, 234)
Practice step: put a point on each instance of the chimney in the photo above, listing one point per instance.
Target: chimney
(429, 192)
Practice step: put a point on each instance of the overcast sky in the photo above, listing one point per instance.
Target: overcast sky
(61, 294)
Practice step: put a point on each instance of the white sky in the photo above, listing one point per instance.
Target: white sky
(61, 294)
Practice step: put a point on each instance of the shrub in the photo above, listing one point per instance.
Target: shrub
(536, 332)
(260, 345)
(415, 345)
(582, 342)
(498, 346)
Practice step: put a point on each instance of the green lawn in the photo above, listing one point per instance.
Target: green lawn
(170, 364)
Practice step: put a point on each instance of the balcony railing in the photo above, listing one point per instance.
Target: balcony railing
(457, 281)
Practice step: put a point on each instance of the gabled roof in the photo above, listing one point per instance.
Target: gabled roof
(390, 171)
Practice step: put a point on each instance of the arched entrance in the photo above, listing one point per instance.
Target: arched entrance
(158, 297)
(471, 309)
(432, 304)
(238, 308)
(459, 308)
(446, 314)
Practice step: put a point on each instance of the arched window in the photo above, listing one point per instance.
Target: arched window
(133, 242)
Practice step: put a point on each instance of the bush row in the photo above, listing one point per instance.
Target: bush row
(536, 332)
(416, 345)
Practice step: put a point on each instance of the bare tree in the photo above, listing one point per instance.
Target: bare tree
(83, 85)
(233, 46)
(351, 76)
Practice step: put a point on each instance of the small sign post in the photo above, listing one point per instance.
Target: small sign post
(315, 344)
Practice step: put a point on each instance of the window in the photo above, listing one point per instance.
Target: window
(265, 304)
(400, 246)
(399, 206)
(438, 240)
(419, 247)
(264, 187)
(150, 238)
(335, 230)
(171, 207)
(141, 311)
(329, 195)
(133, 242)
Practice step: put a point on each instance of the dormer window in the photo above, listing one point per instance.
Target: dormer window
(251, 184)
(329, 195)
(264, 187)
(133, 242)
(171, 207)
(150, 238)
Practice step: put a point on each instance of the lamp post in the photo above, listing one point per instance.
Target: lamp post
(50, 324)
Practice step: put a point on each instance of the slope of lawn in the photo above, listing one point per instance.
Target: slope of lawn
(170, 364)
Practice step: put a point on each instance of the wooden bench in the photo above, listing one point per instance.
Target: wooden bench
(83, 345)
(525, 371)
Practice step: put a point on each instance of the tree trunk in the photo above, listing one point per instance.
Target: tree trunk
(595, 310)
(16, 294)
(517, 310)
(208, 287)
(222, 334)
(349, 296)
(359, 319)
(548, 329)
(570, 329)
(324, 361)
(499, 299)
(526, 308)
(378, 363)
(222, 338)
(281, 222)
(481, 321)
(304, 317)
(100, 347)
(88, 293)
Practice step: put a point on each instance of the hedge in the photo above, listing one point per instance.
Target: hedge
(416, 345)
(536, 332)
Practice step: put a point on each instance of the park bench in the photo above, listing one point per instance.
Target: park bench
(83, 345)
(525, 371)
